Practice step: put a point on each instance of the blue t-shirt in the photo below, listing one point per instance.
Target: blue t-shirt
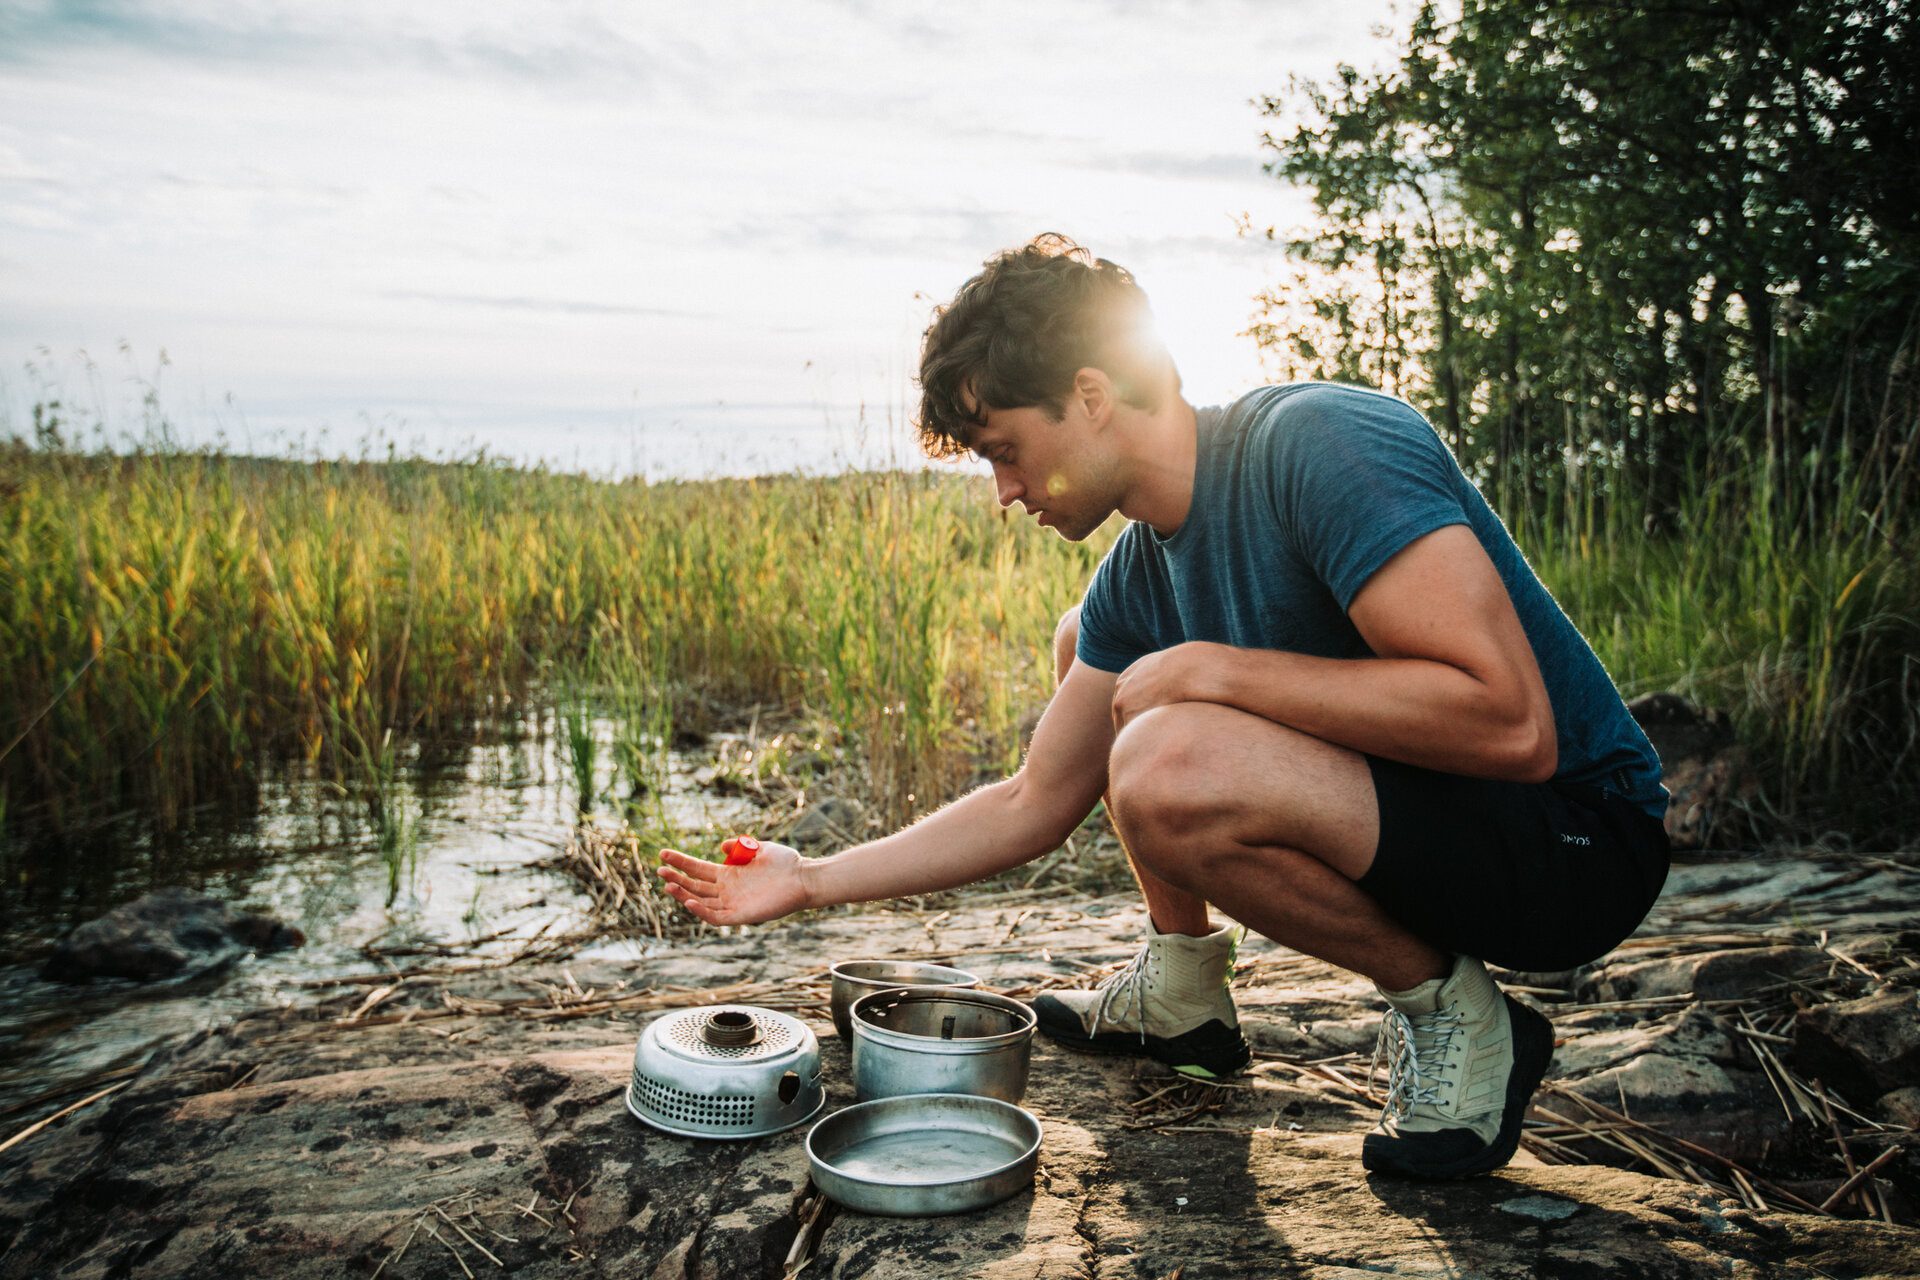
(1300, 493)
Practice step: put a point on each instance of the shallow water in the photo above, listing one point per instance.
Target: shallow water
(489, 813)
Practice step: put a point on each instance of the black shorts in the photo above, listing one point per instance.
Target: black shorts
(1530, 876)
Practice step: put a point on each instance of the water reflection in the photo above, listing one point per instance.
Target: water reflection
(490, 809)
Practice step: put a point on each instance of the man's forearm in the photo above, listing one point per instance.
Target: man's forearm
(984, 832)
(1415, 710)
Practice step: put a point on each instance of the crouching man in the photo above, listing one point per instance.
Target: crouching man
(1321, 690)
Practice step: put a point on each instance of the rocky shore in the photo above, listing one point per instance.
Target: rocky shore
(465, 1120)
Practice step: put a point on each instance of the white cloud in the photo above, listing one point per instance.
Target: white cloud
(595, 208)
(540, 44)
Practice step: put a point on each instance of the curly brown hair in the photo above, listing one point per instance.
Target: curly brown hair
(1016, 334)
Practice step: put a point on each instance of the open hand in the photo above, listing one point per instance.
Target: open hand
(765, 889)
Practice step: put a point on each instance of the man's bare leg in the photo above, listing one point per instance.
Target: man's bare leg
(1224, 806)
(1172, 910)
(1171, 1001)
(1281, 825)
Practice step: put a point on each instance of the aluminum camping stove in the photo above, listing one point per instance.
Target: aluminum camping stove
(728, 1071)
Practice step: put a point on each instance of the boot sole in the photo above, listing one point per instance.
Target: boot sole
(1532, 1052)
(1208, 1052)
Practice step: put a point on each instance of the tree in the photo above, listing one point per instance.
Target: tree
(1650, 234)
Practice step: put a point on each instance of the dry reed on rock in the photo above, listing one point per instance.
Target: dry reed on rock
(619, 875)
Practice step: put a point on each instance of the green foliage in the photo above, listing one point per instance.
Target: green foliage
(638, 692)
(1806, 638)
(184, 624)
(1669, 237)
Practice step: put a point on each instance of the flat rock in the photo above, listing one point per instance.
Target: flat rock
(312, 1141)
(332, 1174)
(1901, 1107)
(1696, 1099)
(834, 821)
(1541, 1208)
(1788, 901)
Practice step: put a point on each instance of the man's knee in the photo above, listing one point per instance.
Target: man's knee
(1162, 787)
(1196, 788)
(1066, 638)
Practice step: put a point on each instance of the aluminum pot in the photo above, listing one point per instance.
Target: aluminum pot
(916, 1040)
(855, 978)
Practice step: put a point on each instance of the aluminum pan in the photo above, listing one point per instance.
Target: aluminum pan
(924, 1154)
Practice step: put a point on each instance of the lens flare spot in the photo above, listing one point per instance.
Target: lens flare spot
(1056, 485)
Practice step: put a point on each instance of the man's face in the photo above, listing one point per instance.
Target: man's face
(1062, 473)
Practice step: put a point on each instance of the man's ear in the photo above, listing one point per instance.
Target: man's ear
(1093, 392)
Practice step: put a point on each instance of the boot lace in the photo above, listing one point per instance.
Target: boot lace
(1126, 985)
(1415, 1047)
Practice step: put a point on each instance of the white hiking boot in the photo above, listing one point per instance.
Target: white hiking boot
(1170, 1002)
(1463, 1061)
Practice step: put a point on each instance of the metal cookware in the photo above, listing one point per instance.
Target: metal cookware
(727, 1071)
(855, 978)
(941, 1040)
(924, 1155)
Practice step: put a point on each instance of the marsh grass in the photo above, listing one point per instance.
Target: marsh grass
(391, 813)
(176, 626)
(1803, 624)
(579, 748)
(638, 691)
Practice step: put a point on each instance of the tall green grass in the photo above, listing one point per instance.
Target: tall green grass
(176, 626)
(1804, 626)
(391, 813)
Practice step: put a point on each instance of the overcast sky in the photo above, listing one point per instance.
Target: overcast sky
(678, 239)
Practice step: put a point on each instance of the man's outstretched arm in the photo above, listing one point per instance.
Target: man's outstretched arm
(1453, 686)
(984, 832)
